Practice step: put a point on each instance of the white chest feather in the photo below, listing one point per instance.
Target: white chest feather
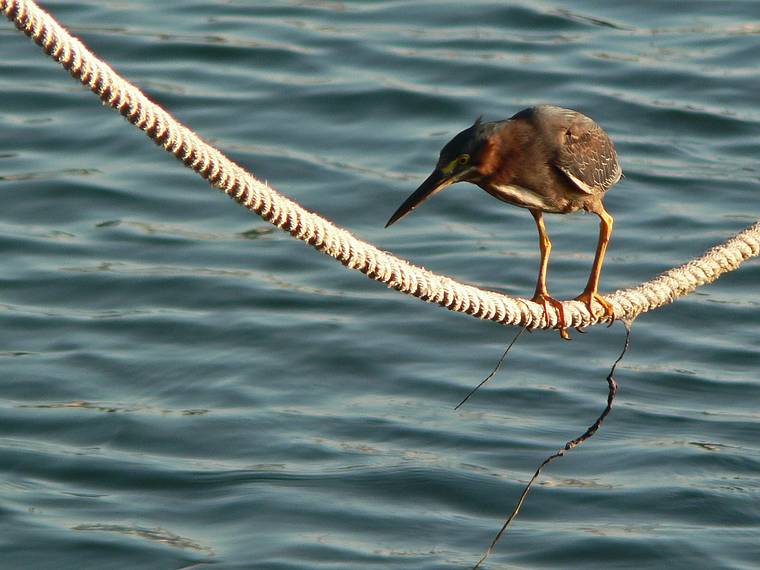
(523, 197)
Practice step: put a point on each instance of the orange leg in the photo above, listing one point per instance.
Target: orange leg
(542, 294)
(591, 292)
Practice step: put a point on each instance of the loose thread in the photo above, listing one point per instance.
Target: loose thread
(568, 446)
(495, 370)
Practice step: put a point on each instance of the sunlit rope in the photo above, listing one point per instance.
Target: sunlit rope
(336, 242)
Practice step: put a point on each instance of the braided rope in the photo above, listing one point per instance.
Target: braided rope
(336, 242)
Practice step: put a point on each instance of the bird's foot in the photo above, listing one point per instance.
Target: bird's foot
(588, 298)
(545, 300)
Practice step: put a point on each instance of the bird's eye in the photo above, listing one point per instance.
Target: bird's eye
(463, 159)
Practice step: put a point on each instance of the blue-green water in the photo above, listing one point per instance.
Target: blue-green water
(182, 386)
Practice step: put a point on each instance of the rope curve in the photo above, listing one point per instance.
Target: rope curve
(323, 235)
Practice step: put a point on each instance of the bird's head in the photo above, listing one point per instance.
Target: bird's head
(461, 160)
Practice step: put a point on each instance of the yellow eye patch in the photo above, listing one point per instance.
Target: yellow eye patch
(461, 160)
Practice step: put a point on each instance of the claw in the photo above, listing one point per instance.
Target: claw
(545, 300)
(588, 298)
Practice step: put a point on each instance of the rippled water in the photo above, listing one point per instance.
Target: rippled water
(183, 386)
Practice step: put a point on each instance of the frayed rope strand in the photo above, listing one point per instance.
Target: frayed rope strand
(568, 446)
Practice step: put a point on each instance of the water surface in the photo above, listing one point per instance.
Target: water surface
(183, 386)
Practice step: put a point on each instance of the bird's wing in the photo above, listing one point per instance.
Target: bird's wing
(586, 155)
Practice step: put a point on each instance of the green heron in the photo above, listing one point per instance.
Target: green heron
(545, 159)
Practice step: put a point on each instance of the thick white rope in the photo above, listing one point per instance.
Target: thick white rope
(336, 242)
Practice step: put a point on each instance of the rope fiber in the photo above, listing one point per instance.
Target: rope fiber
(258, 197)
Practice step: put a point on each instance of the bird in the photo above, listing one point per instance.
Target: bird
(546, 159)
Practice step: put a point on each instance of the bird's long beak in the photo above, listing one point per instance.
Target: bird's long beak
(434, 183)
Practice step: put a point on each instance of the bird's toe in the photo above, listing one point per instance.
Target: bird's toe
(588, 298)
(545, 300)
